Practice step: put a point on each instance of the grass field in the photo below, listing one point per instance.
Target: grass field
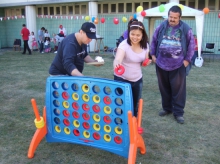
(196, 142)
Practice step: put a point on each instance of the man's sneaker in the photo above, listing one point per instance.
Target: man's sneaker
(179, 119)
(164, 113)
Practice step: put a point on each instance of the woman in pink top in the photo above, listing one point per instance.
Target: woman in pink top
(131, 54)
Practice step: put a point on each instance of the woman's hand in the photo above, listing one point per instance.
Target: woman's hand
(146, 62)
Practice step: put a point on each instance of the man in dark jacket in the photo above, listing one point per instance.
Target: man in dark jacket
(72, 52)
(172, 48)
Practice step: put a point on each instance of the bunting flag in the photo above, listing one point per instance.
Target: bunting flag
(75, 17)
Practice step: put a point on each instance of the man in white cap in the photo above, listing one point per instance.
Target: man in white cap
(72, 52)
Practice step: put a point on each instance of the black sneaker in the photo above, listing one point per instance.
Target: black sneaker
(164, 113)
(179, 119)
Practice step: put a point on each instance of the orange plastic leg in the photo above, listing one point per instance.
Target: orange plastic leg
(140, 108)
(136, 140)
(38, 136)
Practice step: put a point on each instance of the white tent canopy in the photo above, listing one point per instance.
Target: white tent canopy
(186, 12)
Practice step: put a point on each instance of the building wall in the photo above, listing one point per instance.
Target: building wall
(109, 31)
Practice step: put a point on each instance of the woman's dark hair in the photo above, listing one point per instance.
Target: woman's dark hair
(137, 25)
(131, 21)
(175, 9)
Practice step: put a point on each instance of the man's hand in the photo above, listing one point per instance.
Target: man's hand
(154, 59)
(186, 63)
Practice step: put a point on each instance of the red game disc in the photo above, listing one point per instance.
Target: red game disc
(119, 70)
(144, 64)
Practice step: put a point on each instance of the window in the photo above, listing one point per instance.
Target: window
(18, 12)
(51, 11)
(99, 8)
(12, 12)
(201, 4)
(77, 9)
(146, 5)
(121, 7)
(64, 10)
(128, 7)
(58, 10)
(135, 6)
(23, 12)
(163, 3)
(105, 8)
(83, 9)
(45, 11)
(192, 4)
(219, 6)
(183, 2)
(211, 5)
(153, 4)
(71, 10)
(39, 11)
(8, 12)
(113, 8)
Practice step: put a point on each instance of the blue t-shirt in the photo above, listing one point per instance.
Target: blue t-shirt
(70, 55)
(40, 35)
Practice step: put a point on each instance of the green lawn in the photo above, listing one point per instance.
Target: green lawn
(196, 142)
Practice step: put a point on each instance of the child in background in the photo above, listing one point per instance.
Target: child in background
(47, 44)
(195, 52)
(34, 42)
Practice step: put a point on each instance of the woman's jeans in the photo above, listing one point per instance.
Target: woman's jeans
(136, 91)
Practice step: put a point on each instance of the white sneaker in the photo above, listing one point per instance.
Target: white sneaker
(55, 52)
(42, 52)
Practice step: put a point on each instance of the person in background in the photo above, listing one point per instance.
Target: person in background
(47, 45)
(196, 50)
(131, 53)
(72, 52)
(46, 34)
(172, 48)
(41, 39)
(25, 36)
(125, 34)
(61, 35)
(33, 41)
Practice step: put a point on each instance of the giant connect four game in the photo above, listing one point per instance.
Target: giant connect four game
(89, 111)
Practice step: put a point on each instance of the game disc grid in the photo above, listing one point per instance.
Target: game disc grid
(89, 111)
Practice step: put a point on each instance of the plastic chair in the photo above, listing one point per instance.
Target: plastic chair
(209, 50)
(17, 44)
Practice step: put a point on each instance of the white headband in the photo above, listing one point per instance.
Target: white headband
(137, 26)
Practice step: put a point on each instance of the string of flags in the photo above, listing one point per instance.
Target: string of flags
(96, 20)
(12, 17)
